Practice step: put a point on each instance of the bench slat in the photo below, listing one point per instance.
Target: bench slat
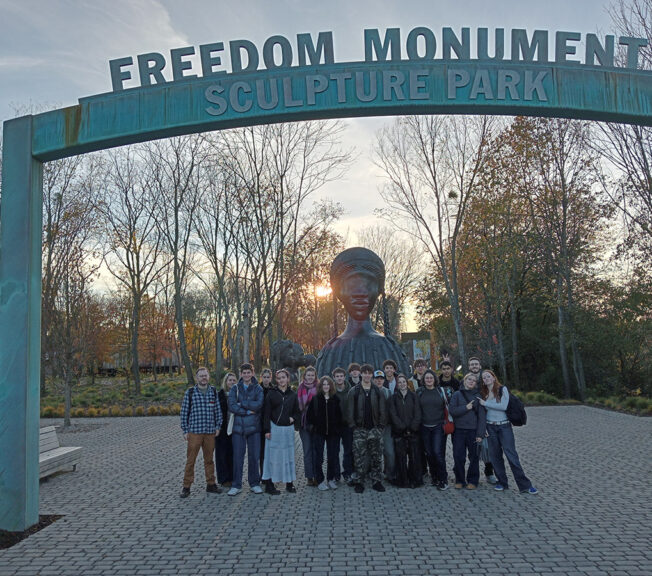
(47, 445)
(52, 456)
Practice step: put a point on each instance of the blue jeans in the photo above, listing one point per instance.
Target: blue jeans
(463, 443)
(433, 437)
(332, 456)
(501, 440)
(306, 444)
(251, 444)
(444, 443)
(224, 458)
(347, 451)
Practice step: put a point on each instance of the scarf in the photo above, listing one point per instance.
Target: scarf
(305, 394)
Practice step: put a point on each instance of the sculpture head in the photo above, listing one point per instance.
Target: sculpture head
(358, 278)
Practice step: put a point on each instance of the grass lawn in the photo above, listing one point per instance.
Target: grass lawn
(113, 397)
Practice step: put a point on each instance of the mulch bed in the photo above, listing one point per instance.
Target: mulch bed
(8, 539)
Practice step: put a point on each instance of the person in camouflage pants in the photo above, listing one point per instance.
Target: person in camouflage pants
(367, 415)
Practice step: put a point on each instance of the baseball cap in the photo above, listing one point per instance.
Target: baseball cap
(379, 374)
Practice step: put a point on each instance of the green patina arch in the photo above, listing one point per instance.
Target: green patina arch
(228, 101)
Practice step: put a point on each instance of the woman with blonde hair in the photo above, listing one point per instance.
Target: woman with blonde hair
(280, 412)
(223, 442)
(495, 399)
(305, 392)
(470, 428)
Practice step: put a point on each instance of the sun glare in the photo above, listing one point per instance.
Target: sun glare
(323, 291)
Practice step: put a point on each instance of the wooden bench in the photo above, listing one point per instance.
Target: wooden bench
(52, 457)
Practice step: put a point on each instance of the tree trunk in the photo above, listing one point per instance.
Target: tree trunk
(178, 315)
(514, 333)
(454, 299)
(563, 355)
(43, 389)
(258, 353)
(67, 400)
(245, 333)
(219, 357)
(135, 361)
(457, 321)
(578, 365)
(501, 353)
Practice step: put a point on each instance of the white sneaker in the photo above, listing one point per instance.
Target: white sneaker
(234, 491)
(323, 486)
(332, 484)
(256, 489)
(492, 479)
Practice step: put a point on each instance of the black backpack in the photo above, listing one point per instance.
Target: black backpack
(516, 411)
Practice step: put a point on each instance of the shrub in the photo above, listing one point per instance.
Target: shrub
(149, 390)
(77, 412)
(47, 412)
(174, 409)
(164, 410)
(103, 412)
(630, 403)
(92, 412)
(115, 410)
(139, 411)
(643, 404)
(152, 411)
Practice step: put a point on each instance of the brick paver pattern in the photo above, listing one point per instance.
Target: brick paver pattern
(123, 514)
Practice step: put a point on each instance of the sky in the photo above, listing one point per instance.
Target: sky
(52, 52)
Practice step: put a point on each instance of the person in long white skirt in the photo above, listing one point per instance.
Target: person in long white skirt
(280, 412)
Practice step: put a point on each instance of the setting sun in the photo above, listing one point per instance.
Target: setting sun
(323, 291)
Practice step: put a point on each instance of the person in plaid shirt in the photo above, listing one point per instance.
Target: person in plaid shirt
(201, 419)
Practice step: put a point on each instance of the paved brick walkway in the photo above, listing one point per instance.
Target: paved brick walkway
(123, 514)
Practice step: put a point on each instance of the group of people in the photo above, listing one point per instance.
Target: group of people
(373, 424)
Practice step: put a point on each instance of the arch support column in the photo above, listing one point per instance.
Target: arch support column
(20, 326)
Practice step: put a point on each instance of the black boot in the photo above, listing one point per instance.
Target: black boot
(289, 487)
(270, 488)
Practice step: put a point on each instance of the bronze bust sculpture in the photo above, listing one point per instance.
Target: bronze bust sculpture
(357, 278)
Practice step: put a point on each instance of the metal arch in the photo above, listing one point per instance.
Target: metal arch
(171, 109)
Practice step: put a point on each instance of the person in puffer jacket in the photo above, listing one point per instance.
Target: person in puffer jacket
(246, 404)
(470, 426)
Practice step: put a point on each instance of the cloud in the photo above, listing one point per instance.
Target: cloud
(68, 43)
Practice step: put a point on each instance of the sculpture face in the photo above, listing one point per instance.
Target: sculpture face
(358, 294)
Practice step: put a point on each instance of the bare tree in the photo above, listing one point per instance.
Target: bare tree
(176, 180)
(628, 148)
(67, 206)
(432, 164)
(404, 269)
(75, 260)
(132, 237)
(267, 175)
